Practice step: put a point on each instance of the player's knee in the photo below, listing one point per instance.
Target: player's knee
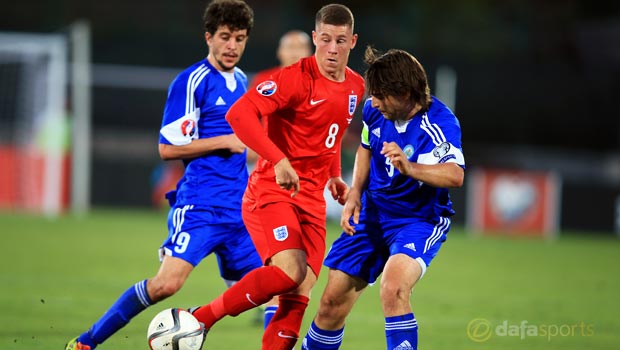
(394, 292)
(296, 273)
(331, 310)
(160, 290)
(293, 263)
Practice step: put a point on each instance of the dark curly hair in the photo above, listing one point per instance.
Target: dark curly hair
(396, 73)
(236, 14)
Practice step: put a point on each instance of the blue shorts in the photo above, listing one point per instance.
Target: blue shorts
(377, 237)
(196, 233)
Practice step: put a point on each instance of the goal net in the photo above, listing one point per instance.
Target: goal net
(34, 166)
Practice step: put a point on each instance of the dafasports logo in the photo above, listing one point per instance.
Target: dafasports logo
(481, 330)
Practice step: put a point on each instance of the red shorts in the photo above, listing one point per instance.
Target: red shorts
(282, 225)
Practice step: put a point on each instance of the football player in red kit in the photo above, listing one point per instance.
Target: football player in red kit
(305, 110)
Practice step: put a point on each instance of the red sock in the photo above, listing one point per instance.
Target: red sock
(283, 330)
(254, 289)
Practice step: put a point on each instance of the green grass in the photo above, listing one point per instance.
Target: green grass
(58, 276)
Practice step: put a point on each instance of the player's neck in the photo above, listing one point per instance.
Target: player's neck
(416, 108)
(337, 76)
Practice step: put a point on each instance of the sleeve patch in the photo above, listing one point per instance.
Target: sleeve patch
(267, 88)
(183, 130)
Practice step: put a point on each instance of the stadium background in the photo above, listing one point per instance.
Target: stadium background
(537, 86)
(537, 82)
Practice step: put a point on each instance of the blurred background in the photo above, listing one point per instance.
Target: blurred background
(534, 84)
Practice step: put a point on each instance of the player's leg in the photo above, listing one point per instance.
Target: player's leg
(354, 261)
(171, 275)
(129, 304)
(270, 309)
(236, 257)
(184, 247)
(266, 226)
(282, 332)
(399, 277)
(340, 294)
(264, 313)
(413, 247)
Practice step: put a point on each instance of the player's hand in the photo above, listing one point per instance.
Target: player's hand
(397, 157)
(286, 176)
(233, 144)
(338, 189)
(351, 209)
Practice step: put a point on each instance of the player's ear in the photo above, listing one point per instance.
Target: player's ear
(353, 41)
(208, 38)
(314, 37)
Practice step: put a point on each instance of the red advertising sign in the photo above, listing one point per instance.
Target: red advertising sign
(513, 202)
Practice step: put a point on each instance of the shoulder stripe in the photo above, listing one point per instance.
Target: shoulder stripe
(192, 83)
(195, 84)
(432, 130)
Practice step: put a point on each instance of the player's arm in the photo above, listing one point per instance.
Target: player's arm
(244, 118)
(353, 205)
(179, 137)
(336, 185)
(444, 175)
(200, 147)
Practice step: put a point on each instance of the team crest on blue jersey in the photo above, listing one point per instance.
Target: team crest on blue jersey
(280, 233)
(267, 88)
(408, 150)
(188, 127)
(352, 103)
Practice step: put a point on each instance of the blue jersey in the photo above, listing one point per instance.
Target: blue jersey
(198, 100)
(430, 137)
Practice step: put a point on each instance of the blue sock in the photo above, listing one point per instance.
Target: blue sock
(401, 332)
(269, 312)
(318, 339)
(132, 302)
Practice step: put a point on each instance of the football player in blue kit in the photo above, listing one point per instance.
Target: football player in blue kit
(398, 209)
(205, 215)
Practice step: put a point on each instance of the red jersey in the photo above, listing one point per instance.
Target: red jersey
(305, 115)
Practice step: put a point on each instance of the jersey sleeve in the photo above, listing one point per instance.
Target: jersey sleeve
(285, 88)
(243, 117)
(443, 141)
(269, 96)
(180, 121)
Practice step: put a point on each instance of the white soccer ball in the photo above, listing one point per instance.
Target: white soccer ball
(175, 329)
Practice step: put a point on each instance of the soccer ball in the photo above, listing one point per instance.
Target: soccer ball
(175, 329)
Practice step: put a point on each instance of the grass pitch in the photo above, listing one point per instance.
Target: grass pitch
(58, 276)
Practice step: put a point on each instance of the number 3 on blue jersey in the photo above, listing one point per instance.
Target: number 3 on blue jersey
(390, 167)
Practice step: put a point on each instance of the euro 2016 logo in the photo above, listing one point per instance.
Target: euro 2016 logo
(267, 88)
(188, 127)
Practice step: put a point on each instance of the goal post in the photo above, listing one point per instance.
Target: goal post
(81, 82)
